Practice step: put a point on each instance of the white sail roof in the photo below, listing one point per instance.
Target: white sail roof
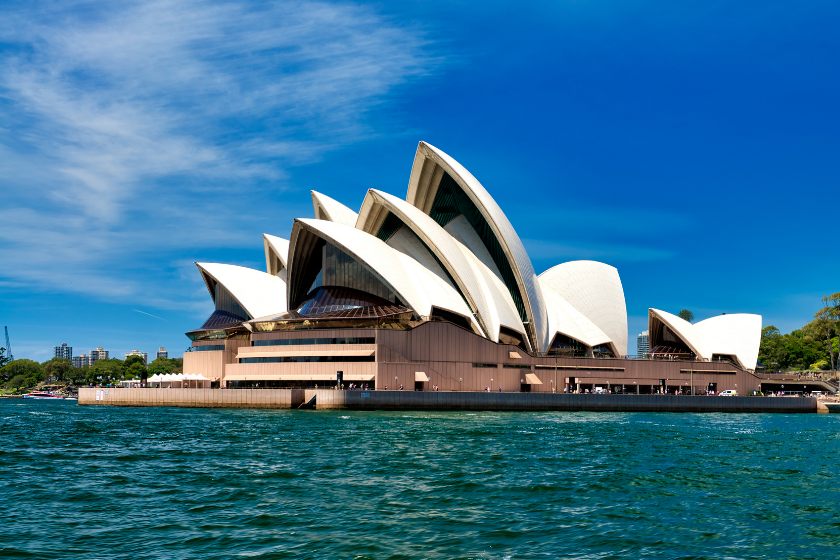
(595, 290)
(682, 328)
(563, 318)
(329, 209)
(423, 181)
(444, 247)
(737, 334)
(257, 292)
(381, 259)
(276, 255)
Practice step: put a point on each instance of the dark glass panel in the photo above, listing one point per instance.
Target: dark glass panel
(453, 318)
(225, 302)
(298, 359)
(563, 345)
(389, 227)
(308, 341)
(510, 336)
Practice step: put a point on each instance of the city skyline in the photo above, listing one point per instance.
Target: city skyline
(654, 141)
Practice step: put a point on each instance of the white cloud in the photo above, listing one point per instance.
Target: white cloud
(133, 130)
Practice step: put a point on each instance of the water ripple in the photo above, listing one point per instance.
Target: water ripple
(148, 483)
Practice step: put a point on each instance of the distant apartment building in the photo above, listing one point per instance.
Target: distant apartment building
(63, 351)
(643, 344)
(79, 361)
(96, 355)
(162, 353)
(138, 353)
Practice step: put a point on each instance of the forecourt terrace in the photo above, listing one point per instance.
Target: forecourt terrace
(437, 291)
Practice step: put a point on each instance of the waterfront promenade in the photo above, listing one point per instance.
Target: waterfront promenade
(326, 399)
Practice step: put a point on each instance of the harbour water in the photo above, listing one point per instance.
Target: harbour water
(136, 483)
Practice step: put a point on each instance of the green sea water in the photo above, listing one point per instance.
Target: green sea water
(136, 483)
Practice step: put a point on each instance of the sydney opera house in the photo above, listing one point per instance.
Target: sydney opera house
(437, 291)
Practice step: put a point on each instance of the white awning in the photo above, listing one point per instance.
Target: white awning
(420, 376)
(532, 379)
(303, 353)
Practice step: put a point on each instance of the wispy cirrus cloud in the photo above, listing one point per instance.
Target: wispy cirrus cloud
(131, 130)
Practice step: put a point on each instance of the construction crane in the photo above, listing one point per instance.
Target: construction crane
(8, 346)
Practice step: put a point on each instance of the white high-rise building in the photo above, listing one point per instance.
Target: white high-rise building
(642, 344)
(162, 353)
(96, 355)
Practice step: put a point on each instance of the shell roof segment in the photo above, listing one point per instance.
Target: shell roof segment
(682, 328)
(737, 334)
(329, 209)
(565, 319)
(425, 179)
(371, 251)
(443, 246)
(276, 255)
(595, 290)
(257, 292)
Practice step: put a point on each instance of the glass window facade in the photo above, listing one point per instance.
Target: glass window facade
(208, 348)
(309, 341)
(563, 345)
(389, 227)
(338, 269)
(226, 302)
(297, 359)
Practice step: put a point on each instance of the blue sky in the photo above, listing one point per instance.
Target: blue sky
(692, 145)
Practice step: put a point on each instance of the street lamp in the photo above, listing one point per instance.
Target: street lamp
(396, 382)
(460, 382)
(636, 387)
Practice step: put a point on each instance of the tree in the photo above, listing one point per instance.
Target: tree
(686, 315)
(76, 375)
(57, 368)
(3, 358)
(830, 313)
(135, 359)
(162, 366)
(105, 370)
(29, 369)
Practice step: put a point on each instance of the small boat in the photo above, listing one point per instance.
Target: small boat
(833, 408)
(42, 395)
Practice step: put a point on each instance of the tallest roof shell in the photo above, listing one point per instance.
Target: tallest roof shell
(429, 166)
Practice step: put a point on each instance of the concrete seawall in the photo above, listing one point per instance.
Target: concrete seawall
(411, 400)
(193, 398)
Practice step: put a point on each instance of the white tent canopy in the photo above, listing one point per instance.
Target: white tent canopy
(185, 379)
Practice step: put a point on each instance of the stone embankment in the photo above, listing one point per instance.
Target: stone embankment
(326, 399)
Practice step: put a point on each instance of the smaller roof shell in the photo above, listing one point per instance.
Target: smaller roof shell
(329, 209)
(381, 259)
(595, 290)
(257, 292)
(737, 334)
(682, 328)
(276, 254)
